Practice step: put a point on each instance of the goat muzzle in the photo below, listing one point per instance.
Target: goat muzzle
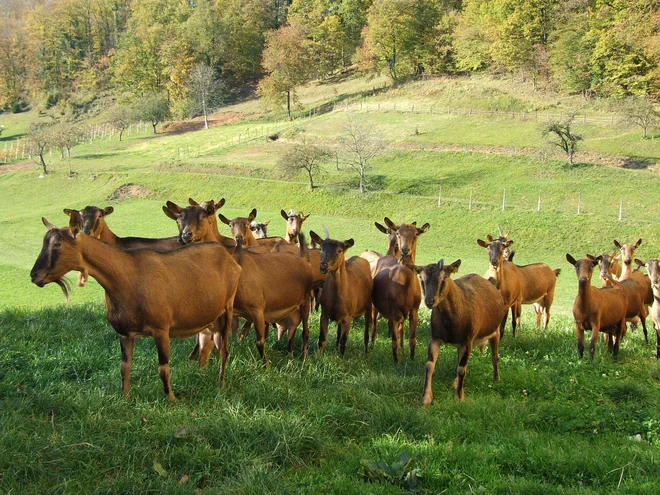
(323, 267)
(582, 280)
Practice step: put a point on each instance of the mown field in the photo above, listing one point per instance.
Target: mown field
(553, 424)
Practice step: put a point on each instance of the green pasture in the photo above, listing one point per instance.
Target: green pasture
(553, 424)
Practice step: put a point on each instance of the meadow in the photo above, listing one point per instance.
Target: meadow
(553, 424)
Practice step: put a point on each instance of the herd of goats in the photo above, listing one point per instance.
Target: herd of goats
(200, 282)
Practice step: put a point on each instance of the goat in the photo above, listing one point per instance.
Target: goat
(294, 223)
(200, 230)
(240, 230)
(198, 223)
(598, 310)
(259, 229)
(627, 255)
(653, 269)
(609, 268)
(464, 312)
(346, 292)
(148, 292)
(396, 291)
(507, 276)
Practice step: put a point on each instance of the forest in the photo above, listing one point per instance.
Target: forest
(66, 54)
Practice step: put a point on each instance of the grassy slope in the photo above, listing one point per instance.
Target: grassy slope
(287, 428)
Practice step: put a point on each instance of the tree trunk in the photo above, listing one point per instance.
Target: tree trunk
(154, 124)
(570, 158)
(644, 133)
(311, 180)
(121, 131)
(206, 121)
(288, 103)
(43, 162)
(361, 181)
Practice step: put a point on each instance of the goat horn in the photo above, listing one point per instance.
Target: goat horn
(325, 232)
(499, 228)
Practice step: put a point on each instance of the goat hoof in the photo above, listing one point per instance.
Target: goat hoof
(426, 400)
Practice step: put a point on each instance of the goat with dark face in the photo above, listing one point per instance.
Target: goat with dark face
(464, 312)
(653, 269)
(598, 310)
(507, 276)
(149, 292)
(259, 229)
(346, 292)
(294, 223)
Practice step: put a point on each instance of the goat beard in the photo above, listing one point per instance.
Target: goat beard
(65, 286)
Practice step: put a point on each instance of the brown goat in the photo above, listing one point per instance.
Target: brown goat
(294, 222)
(149, 292)
(198, 223)
(396, 291)
(346, 292)
(609, 268)
(507, 276)
(259, 229)
(464, 312)
(653, 269)
(240, 230)
(598, 310)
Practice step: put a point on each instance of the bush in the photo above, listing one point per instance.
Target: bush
(52, 99)
(18, 106)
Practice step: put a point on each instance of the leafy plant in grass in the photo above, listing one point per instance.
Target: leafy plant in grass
(153, 108)
(562, 136)
(303, 156)
(640, 111)
(399, 473)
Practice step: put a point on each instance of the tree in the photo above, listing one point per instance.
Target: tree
(563, 136)
(120, 117)
(360, 143)
(153, 108)
(287, 60)
(640, 111)
(204, 90)
(303, 156)
(39, 137)
(65, 136)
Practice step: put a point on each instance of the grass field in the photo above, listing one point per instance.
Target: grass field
(553, 424)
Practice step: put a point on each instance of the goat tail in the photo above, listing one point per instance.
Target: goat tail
(557, 271)
(303, 250)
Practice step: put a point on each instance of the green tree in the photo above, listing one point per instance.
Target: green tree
(287, 61)
(303, 156)
(153, 108)
(563, 136)
(641, 112)
(205, 91)
(120, 117)
(39, 137)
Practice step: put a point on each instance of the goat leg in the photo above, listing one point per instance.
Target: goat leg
(463, 357)
(127, 345)
(412, 337)
(323, 331)
(579, 332)
(433, 352)
(162, 339)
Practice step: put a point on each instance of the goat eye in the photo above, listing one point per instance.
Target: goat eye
(57, 245)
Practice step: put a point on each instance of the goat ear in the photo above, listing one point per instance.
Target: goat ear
(380, 227)
(107, 210)
(590, 257)
(638, 243)
(75, 229)
(454, 266)
(174, 207)
(489, 237)
(390, 224)
(223, 218)
(508, 243)
(169, 213)
(220, 204)
(266, 223)
(68, 211)
(192, 202)
(483, 244)
(598, 258)
(570, 259)
(48, 225)
(349, 243)
(512, 253)
(305, 217)
(616, 243)
(253, 214)
(639, 262)
(315, 237)
(284, 215)
(425, 228)
(75, 220)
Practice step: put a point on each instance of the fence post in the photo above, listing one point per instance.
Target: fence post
(470, 205)
(579, 201)
(538, 206)
(621, 210)
(440, 197)
(504, 199)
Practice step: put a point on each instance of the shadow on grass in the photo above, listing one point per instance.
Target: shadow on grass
(637, 163)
